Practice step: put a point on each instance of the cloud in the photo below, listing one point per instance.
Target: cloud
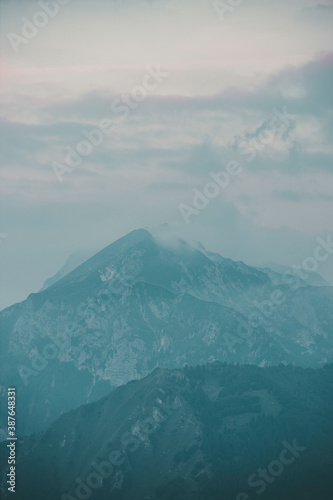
(225, 79)
(289, 195)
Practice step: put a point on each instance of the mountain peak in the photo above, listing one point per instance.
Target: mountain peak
(151, 299)
(155, 256)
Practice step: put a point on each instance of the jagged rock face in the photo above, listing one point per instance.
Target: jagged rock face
(138, 304)
(192, 433)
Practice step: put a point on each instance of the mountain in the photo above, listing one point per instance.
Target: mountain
(141, 303)
(203, 433)
(275, 271)
(71, 263)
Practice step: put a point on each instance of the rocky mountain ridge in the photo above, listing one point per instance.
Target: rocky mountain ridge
(138, 304)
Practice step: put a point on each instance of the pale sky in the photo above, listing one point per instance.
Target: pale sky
(222, 80)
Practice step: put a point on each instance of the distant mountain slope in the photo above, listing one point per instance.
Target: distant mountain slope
(71, 263)
(190, 434)
(275, 272)
(138, 304)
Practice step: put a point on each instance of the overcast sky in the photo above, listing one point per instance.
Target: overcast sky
(220, 82)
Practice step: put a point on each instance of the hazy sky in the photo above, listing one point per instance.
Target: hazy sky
(220, 80)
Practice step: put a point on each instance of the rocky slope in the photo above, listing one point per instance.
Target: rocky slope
(188, 434)
(140, 303)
